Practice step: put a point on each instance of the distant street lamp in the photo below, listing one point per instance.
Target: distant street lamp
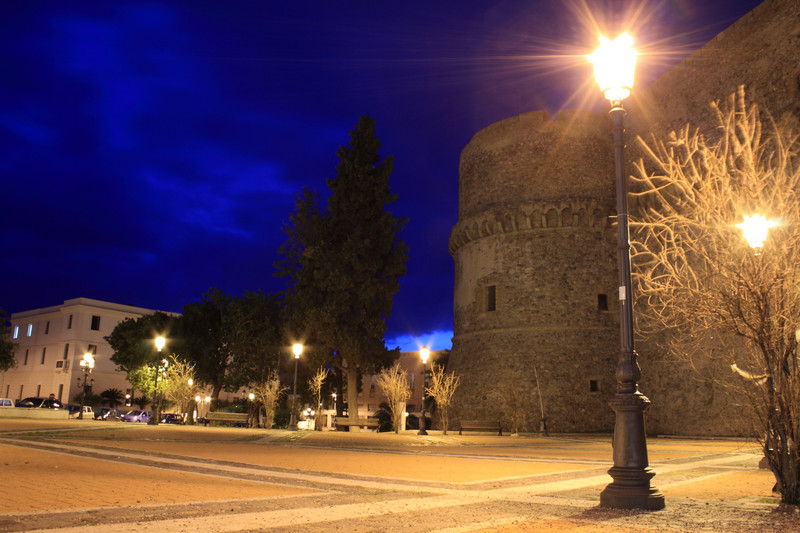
(614, 63)
(297, 349)
(87, 364)
(154, 416)
(424, 353)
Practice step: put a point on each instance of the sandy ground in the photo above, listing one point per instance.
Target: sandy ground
(76, 480)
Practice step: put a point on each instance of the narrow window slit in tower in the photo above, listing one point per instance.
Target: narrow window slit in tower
(602, 302)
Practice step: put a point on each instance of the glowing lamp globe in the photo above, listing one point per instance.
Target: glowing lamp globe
(614, 63)
(755, 230)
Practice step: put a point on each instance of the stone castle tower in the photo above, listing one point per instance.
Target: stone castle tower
(535, 252)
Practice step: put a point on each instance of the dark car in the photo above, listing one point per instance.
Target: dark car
(108, 414)
(42, 403)
(171, 418)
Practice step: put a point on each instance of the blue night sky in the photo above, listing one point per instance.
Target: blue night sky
(151, 150)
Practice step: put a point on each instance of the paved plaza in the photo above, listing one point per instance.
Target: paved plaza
(91, 476)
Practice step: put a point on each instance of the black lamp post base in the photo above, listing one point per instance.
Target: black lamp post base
(631, 489)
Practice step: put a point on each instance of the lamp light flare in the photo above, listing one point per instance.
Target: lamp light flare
(614, 63)
(297, 349)
(424, 353)
(755, 230)
(160, 342)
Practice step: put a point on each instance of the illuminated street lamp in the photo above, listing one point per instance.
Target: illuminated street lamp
(424, 353)
(155, 414)
(755, 230)
(614, 63)
(297, 349)
(87, 364)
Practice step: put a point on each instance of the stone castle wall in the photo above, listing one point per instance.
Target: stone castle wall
(535, 252)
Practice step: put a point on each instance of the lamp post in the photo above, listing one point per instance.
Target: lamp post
(424, 353)
(154, 415)
(87, 364)
(614, 63)
(297, 349)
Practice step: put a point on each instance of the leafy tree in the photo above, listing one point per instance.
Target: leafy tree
(443, 387)
(133, 340)
(233, 341)
(393, 382)
(113, 397)
(141, 401)
(344, 261)
(7, 347)
(713, 295)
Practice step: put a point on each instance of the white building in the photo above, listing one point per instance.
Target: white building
(51, 343)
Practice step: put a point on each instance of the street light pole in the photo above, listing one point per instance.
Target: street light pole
(614, 63)
(424, 353)
(87, 363)
(155, 414)
(297, 349)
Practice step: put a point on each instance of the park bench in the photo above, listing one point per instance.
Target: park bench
(369, 422)
(480, 425)
(219, 416)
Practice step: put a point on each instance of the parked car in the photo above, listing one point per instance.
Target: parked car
(75, 411)
(171, 418)
(6, 402)
(43, 403)
(107, 414)
(137, 415)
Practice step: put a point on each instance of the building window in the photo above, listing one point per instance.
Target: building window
(95, 323)
(69, 322)
(60, 391)
(26, 358)
(370, 407)
(372, 382)
(44, 353)
(59, 364)
(593, 385)
(92, 349)
(47, 327)
(16, 335)
(412, 375)
(8, 389)
(20, 391)
(66, 351)
(38, 390)
(30, 330)
(602, 302)
(491, 298)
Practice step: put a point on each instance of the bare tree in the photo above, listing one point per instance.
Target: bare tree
(443, 386)
(394, 383)
(699, 281)
(315, 386)
(179, 384)
(513, 403)
(268, 394)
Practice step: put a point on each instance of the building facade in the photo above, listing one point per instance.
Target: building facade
(52, 341)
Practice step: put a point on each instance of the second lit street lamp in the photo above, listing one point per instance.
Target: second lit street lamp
(424, 353)
(614, 63)
(87, 364)
(297, 349)
(155, 414)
